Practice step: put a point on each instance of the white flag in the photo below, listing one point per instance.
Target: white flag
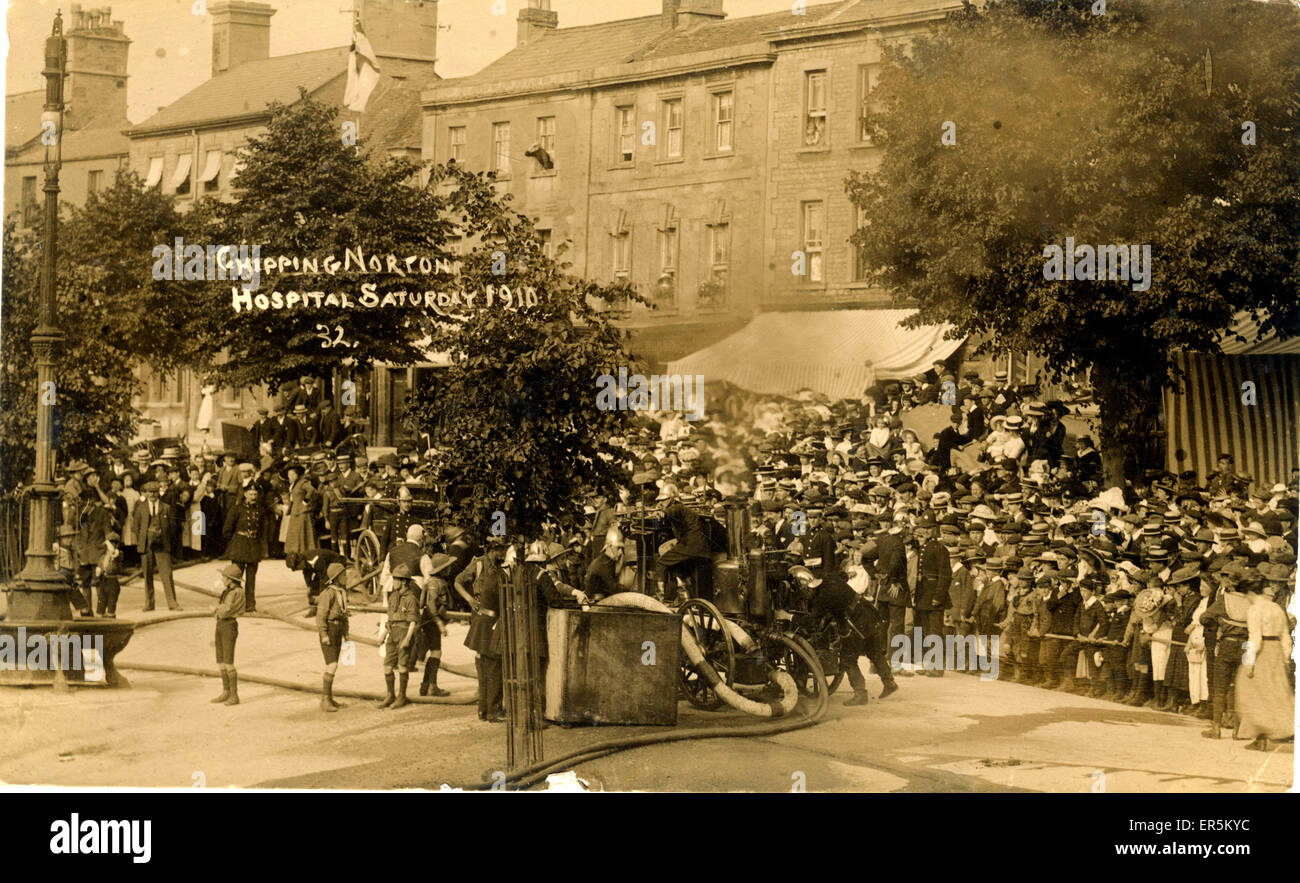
(363, 72)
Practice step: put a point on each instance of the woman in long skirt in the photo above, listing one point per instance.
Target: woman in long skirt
(300, 535)
(1198, 671)
(1265, 697)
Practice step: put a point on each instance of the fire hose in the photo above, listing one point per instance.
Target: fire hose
(790, 692)
(531, 775)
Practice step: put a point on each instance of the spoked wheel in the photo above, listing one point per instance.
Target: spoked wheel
(367, 561)
(796, 657)
(832, 680)
(705, 624)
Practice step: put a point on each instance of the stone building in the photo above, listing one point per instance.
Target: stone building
(188, 149)
(94, 147)
(690, 153)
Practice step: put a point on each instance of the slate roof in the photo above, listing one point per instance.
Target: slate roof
(633, 40)
(250, 87)
(23, 117)
(97, 140)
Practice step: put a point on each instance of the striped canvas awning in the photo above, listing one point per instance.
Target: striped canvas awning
(836, 352)
(1212, 417)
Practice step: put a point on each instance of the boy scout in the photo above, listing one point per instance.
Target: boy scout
(229, 608)
(403, 616)
(332, 624)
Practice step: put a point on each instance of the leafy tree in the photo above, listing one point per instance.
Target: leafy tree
(1111, 129)
(305, 189)
(515, 416)
(95, 379)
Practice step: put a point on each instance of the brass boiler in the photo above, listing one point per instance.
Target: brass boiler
(739, 582)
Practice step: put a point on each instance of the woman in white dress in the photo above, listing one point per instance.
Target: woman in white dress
(1198, 684)
(1265, 697)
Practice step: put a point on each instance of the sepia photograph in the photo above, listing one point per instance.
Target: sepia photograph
(863, 397)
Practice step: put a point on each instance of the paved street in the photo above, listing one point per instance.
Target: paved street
(951, 734)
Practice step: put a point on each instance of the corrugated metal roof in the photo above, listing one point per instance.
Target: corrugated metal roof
(250, 87)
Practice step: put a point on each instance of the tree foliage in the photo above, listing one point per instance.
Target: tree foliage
(514, 417)
(306, 189)
(94, 381)
(1102, 128)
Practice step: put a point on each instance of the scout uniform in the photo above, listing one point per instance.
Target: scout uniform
(332, 626)
(229, 607)
(403, 616)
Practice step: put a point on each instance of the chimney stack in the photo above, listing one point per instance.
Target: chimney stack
(536, 20)
(241, 32)
(401, 29)
(694, 12)
(97, 56)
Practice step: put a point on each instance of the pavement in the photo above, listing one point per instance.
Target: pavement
(951, 734)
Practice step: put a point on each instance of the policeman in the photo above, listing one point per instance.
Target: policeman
(861, 627)
(399, 523)
(403, 616)
(332, 625)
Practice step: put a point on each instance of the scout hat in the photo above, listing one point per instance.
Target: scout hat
(334, 571)
(441, 562)
(402, 571)
(233, 572)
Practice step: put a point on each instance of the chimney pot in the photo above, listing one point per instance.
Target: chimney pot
(534, 20)
(241, 32)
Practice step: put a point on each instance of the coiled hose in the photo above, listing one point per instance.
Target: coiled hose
(531, 775)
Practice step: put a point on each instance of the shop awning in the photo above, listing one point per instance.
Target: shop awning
(155, 172)
(182, 173)
(1243, 339)
(835, 352)
(212, 167)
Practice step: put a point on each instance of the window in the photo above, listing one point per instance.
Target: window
(666, 284)
(94, 180)
(232, 398)
(211, 177)
(713, 293)
(814, 130)
(456, 140)
(626, 133)
(501, 149)
(673, 128)
(548, 247)
(30, 207)
(867, 74)
(623, 256)
(723, 110)
(861, 270)
(546, 134)
(814, 236)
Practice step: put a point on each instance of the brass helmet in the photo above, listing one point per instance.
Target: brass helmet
(536, 552)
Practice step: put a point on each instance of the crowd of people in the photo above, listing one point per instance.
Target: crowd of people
(1170, 592)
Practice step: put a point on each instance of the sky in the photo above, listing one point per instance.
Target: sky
(171, 46)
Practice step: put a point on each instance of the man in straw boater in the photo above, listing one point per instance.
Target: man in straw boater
(862, 629)
(229, 606)
(332, 625)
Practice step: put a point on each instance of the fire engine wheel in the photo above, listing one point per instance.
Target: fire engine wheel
(705, 625)
(367, 561)
(797, 658)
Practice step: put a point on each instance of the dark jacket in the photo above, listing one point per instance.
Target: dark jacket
(1088, 618)
(891, 566)
(688, 530)
(154, 532)
(1063, 609)
(934, 576)
(247, 532)
(485, 631)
